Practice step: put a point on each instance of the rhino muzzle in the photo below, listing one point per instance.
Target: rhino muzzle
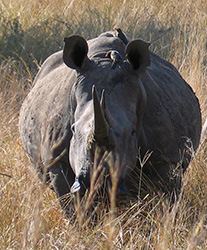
(102, 136)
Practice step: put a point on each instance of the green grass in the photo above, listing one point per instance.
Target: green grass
(30, 215)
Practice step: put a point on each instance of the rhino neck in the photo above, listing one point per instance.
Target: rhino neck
(141, 105)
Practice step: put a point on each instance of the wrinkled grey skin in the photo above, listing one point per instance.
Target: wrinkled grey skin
(146, 107)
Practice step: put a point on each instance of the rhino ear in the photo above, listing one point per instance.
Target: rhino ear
(138, 55)
(75, 53)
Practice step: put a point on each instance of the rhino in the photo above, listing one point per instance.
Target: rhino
(140, 106)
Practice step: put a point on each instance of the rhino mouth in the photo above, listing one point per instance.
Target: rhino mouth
(99, 173)
(92, 170)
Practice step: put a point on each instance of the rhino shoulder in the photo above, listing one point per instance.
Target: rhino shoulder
(51, 63)
(162, 63)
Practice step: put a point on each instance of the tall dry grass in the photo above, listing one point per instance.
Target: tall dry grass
(30, 215)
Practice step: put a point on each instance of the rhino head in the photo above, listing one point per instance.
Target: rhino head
(108, 106)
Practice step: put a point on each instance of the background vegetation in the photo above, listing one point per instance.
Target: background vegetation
(30, 215)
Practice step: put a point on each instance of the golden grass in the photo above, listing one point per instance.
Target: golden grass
(30, 215)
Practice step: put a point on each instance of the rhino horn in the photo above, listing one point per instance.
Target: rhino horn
(106, 112)
(101, 127)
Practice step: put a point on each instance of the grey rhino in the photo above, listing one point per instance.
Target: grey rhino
(79, 102)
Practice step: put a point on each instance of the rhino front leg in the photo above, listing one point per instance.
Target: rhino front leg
(61, 179)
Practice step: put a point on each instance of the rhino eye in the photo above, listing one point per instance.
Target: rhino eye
(133, 132)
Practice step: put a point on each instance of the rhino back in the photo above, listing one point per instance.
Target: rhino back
(105, 42)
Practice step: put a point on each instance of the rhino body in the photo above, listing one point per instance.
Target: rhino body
(78, 101)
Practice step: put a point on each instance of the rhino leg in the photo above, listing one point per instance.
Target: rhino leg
(167, 179)
(61, 179)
